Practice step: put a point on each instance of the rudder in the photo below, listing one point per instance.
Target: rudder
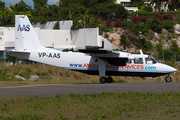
(25, 37)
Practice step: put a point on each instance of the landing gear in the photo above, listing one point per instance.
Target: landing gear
(168, 78)
(109, 80)
(104, 80)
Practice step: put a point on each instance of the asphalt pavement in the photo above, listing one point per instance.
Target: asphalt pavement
(63, 89)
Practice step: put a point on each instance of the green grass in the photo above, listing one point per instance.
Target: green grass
(102, 106)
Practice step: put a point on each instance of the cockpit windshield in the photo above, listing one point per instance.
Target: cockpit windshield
(150, 60)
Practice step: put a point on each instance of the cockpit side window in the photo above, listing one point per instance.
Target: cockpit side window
(150, 60)
(138, 61)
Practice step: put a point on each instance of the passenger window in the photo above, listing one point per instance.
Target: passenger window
(138, 61)
(129, 61)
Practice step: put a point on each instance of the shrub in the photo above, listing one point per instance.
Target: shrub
(117, 23)
(168, 25)
(144, 18)
(174, 47)
(158, 16)
(106, 35)
(124, 41)
(168, 16)
(143, 28)
(112, 39)
(137, 19)
(108, 23)
(124, 24)
(147, 46)
(140, 19)
(134, 28)
(99, 17)
(144, 44)
(159, 47)
(156, 25)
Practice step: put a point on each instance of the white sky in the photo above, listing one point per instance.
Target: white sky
(28, 2)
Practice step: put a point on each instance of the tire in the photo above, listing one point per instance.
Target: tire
(102, 80)
(109, 80)
(168, 79)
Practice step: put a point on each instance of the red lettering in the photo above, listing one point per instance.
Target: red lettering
(107, 66)
(124, 67)
(120, 67)
(141, 67)
(110, 66)
(85, 65)
(138, 67)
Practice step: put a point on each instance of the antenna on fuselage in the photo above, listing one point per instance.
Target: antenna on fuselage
(141, 53)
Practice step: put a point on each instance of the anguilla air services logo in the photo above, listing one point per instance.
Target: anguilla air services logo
(23, 28)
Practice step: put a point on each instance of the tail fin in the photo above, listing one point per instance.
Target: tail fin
(25, 37)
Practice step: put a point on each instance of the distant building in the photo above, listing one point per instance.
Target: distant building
(125, 3)
(61, 39)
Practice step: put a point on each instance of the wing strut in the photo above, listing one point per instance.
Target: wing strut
(102, 67)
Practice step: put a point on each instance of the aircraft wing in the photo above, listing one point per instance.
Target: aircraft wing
(112, 57)
(100, 53)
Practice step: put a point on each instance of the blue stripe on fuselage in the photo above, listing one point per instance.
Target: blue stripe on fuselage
(120, 70)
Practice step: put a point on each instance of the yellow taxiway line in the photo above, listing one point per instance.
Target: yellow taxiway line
(24, 86)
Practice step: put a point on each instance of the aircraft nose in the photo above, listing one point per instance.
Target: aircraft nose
(171, 69)
(167, 68)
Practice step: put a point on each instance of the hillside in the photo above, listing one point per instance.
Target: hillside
(164, 37)
(156, 34)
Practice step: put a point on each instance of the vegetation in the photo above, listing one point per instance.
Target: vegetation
(56, 26)
(93, 106)
(124, 41)
(103, 14)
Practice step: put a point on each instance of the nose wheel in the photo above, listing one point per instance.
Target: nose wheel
(104, 80)
(168, 78)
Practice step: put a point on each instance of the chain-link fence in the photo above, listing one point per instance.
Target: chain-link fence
(163, 57)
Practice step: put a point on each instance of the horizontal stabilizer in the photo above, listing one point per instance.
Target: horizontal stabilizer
(19, 51)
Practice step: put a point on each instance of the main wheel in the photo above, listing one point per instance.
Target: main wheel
(109, 80)
(168, 79)
(102, 80)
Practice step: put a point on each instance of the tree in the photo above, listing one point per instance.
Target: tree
(105, 1)
(2, 5)
(174, 47)
(159, 47)
(116, 12)
(56, 26)
(22, 7)
(111, 11)
(89, 3)
(40, 3)
(174, 4)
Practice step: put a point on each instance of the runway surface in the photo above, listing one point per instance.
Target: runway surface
(63, 89)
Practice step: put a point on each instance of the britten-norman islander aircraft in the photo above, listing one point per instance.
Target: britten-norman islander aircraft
(92, 60)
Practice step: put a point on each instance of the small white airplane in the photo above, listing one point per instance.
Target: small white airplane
(91, 60)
